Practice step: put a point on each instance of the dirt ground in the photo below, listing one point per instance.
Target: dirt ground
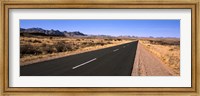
(167, 50)
(148, 64)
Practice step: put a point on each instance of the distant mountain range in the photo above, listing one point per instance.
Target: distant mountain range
(43, 32)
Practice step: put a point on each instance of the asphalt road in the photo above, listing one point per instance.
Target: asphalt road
(113, 61)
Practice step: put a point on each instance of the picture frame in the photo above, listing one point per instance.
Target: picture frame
(6, 5)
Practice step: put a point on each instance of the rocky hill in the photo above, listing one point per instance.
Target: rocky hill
(43, 32)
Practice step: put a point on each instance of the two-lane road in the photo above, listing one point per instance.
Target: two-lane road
(112, 61)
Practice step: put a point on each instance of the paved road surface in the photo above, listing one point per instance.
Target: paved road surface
(113, 61)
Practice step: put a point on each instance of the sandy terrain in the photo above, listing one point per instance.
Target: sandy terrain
(167, 51)
(46, 48)
(147, 64)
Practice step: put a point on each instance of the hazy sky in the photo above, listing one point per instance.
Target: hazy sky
(155, 28)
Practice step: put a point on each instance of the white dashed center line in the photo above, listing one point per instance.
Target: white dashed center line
(84, 63)
(115, 50)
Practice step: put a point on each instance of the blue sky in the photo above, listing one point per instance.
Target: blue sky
(144, 28)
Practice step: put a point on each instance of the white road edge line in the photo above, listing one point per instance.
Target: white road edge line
(115, 50)
(84, 63)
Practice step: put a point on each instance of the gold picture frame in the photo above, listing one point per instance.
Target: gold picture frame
(6, 5)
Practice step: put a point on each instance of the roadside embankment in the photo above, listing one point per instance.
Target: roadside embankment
(147, 64)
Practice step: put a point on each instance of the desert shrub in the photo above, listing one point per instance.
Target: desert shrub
(91, 43)
(29, 49)
(78, 40)
(86, 44)
(75, 47)
(68, 46)
(108, 39)
(37, 41)
(100, 43)
(61, 46)
(50, 37)
(171, 49)
(49, 49)
(109, 42)
(29, 40)
(119, 39)
(44, 44)
(164, 42)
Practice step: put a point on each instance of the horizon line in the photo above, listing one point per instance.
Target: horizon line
(106, 35)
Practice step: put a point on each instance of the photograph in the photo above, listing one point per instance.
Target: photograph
(99, 47)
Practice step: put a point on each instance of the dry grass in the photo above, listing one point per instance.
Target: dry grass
(168, 50)
(41, 48)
